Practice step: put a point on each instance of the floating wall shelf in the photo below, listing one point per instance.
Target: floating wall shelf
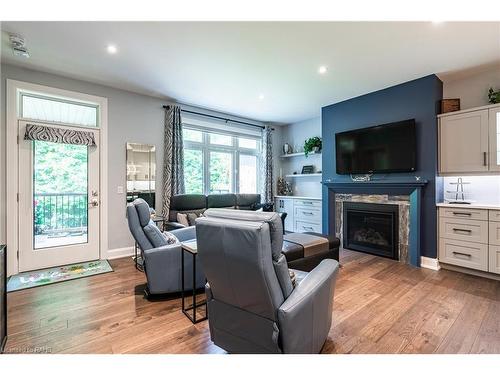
(299, 154)
(303, 175)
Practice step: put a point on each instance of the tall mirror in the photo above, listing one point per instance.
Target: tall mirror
(141, 172)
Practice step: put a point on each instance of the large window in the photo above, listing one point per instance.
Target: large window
(218, 163)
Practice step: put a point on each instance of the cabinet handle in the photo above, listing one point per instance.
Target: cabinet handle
(308, 228)
(462, 230)
(484, 159)
(305, 202)
(463, 254)
(307, 213)
(462, 214)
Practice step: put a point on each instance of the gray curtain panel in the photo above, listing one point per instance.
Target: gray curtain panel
(36, 132)
(267, 169)
(173, 158)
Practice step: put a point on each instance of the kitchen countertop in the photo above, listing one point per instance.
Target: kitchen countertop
(484, 206)
(297, 197)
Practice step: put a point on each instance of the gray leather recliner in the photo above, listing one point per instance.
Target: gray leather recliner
(162, 262)
(252, 304)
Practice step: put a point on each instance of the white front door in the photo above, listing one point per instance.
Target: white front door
(58, 201)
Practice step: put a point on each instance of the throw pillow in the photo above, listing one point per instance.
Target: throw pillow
(170, 238)
(183, 219)
(293, 277)
(191, 217)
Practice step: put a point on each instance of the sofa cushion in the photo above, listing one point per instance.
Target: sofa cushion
(272, 218)
(221, 201)
(142, 211)
(247, 201)
(182, 219)
(186, 203)
(154, 235)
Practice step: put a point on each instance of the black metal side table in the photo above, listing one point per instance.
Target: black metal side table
(139, 263)
(191, 247)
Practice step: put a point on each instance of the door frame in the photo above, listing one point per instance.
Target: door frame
(13, 89)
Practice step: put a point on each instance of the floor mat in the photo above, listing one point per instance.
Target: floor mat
(57, 274)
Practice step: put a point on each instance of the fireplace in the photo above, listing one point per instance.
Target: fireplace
(371, 228)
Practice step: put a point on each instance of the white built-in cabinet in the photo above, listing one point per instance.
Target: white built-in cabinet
(303, 214)
(470, 238)
(469, 141)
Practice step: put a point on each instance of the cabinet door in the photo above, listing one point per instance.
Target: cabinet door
(494, 120)
(288, 208)
(463, 142)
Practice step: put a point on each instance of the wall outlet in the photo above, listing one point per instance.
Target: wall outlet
(119, 189)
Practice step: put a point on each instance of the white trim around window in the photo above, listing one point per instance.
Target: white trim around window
(233, 149)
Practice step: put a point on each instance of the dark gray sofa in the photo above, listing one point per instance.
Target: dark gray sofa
(198, 203)
(294, 253)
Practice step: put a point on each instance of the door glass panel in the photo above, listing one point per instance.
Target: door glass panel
(221, 175)
(59, 194)
(54, 110)
(193, 171)
(248, 174)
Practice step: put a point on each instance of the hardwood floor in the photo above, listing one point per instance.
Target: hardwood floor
(380, 306)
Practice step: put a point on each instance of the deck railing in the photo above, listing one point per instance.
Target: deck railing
(60, 213)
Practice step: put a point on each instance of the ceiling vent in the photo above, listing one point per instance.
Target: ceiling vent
(19, 45)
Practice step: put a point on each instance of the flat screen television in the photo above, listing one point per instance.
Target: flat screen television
(378, 149)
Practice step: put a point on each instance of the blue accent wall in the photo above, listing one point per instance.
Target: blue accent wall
(417, 99)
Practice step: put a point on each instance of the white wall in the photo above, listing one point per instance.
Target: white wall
(295, 135)
(472, 89)
(131, 118)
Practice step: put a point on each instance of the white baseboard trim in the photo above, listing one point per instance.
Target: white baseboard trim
(430, 263)
(121, 252)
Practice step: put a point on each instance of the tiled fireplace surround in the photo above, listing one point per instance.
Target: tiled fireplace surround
(403, 203)
(406, 194)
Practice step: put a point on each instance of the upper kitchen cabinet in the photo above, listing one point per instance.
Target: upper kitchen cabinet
(468, 141)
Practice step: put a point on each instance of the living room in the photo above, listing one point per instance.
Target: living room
(250, 187)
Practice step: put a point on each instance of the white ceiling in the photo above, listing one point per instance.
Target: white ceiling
(226, 66)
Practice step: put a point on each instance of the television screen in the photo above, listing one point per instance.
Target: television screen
(377, 149)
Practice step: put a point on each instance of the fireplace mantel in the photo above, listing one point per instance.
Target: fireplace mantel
(376, 184)
(404, 187)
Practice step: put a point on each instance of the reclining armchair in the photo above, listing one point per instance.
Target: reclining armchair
(253, 305)
(162, 262)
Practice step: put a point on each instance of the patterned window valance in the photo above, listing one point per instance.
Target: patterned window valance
(58, 135)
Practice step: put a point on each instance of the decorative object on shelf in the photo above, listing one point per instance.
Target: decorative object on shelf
(287, 149)
(312, 145)
(361, 178)
(307, 169)
(450, 105)
(284, 188)
(459, 193)
(493, 96)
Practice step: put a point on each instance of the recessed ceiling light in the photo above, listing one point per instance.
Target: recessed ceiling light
(112, 49)
(261, 96)
(322, 69)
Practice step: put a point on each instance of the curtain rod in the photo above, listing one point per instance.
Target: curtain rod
(167, 107)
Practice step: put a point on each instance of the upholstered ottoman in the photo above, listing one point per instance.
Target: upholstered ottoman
(304, 251)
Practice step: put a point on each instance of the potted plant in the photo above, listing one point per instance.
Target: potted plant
(312, 145)
(493, 96)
